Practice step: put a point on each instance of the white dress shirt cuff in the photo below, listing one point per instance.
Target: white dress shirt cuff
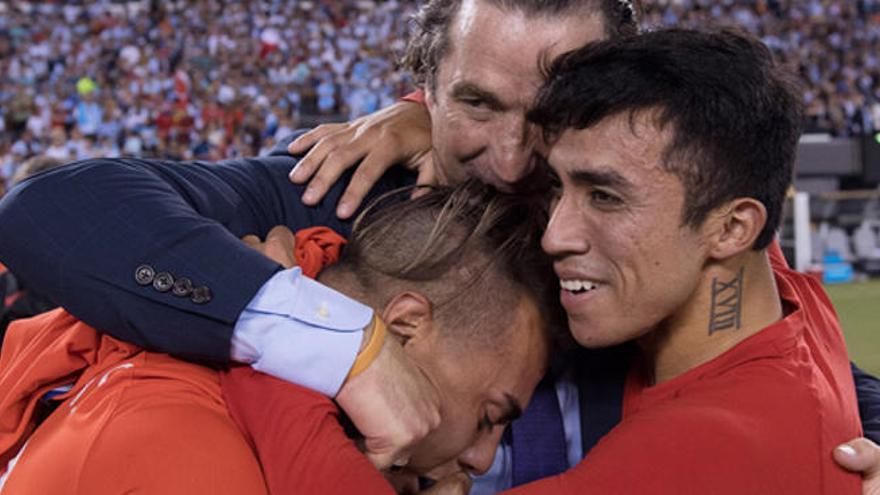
(301, 331)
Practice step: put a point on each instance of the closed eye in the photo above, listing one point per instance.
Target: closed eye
(485, 423)
(474, 102)
(602, 198)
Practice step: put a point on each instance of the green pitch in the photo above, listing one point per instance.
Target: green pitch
(858, 305)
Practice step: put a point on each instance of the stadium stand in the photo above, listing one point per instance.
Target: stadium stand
(211, 79)
(832, 44)
(201, 79)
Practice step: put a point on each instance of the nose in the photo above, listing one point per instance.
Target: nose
(478, 458)
(565, 232)
(513, 161)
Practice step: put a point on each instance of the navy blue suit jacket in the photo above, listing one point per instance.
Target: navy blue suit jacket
(78, 234)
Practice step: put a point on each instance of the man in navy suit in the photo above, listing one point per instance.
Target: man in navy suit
(149, 250)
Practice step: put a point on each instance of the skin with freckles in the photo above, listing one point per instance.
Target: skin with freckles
(485, 84)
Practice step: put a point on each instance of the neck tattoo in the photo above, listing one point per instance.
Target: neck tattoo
(726, 306)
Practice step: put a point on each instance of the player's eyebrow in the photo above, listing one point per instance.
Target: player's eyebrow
(600, 177)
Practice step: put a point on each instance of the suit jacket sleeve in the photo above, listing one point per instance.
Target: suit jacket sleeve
(868, 394)
(79, 233)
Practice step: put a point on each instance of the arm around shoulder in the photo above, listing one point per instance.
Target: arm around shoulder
(148, 250)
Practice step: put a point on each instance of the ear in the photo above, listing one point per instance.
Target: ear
(735, 226)
(409, 316)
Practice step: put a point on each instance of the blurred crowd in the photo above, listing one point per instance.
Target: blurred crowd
(209, 79)
(833, 45)
(202, 79)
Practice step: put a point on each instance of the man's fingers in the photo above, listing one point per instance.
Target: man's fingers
(280, 237)
(861, 455)
(279, 246)
(403, 482)
(364, 178)
(308, 164)
(335, 163)
(427, 177)
(392, 449)
(454, 484)
(280, 233)
(332, 138)
(382, 460)
(251, 240)
(307, 140)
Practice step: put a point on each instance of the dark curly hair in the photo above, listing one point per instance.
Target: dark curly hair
(430, 41)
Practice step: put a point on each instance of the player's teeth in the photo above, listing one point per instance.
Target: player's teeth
(577, 285)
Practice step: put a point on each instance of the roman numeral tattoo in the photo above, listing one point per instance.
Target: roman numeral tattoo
(726, 304)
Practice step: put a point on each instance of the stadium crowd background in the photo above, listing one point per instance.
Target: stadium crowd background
(209, 79)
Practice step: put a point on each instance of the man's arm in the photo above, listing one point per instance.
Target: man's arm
(868, 394)
(149, 252)
(98, 236)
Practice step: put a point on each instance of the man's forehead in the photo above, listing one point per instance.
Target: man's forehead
(624, 145)
(588, 22)
(497, 30)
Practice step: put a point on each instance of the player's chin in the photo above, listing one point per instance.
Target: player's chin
(592, 334)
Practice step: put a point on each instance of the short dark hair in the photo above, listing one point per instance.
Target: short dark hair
(736, 115)
(429, 39)
(473, 251)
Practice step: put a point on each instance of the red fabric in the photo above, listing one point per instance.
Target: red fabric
(136, 422)
(164, 417)
(7, 300)
(42, 353)
(297, 437)
(10, 299)
(763, 417)
(317, 247)
(415, 97)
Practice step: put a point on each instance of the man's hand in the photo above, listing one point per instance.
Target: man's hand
(455, 484)
(278, 245)
(399, 134)
(392, 403)
(863, 456)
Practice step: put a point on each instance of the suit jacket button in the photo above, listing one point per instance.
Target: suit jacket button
(201, 295)
(183, 287)
(144, 275)
(163, 282)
